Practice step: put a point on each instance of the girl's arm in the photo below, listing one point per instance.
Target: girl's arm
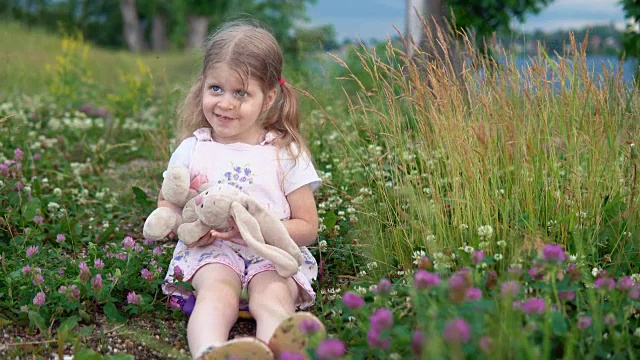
(303, 225)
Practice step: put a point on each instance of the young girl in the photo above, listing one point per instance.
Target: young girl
(239, 125)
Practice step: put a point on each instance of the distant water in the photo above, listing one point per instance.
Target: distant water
(595, 65)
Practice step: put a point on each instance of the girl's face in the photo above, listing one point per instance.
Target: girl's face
(233, 107)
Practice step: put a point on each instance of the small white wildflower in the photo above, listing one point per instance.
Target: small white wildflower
(573, 257)
(483, 245)
(501, 243)
(581, 214)
(53, 206)
(497, 257)
(430, 238)
(468, 249)
(463, 227)
(595, 271)
(417, 256)
(360, 290)
(394, 356)
(636, 278)
(400, 273)
(362, 273)
(351, 319)
(485, 231)
(27, 189)
(372, 265)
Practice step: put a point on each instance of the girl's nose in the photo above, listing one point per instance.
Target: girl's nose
(199, 200)
(227, 103)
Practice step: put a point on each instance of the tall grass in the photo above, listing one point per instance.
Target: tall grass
(499, 158)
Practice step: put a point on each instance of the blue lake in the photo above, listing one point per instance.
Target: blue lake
(595, 65)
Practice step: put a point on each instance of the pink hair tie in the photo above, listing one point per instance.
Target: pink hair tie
(282, 81)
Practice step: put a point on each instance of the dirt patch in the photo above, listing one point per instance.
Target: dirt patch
(145, 338)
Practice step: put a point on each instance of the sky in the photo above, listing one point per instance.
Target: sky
(367, 19)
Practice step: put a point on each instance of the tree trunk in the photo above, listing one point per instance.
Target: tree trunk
(159, 41)
(431, 36)
(131, 25)
(197, 32)
(414, 27)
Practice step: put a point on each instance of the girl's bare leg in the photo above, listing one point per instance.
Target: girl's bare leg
(271, 300)
(217, 289)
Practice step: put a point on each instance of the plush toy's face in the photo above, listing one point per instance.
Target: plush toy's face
(213, 206)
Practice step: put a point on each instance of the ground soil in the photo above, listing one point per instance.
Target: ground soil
(144, 338)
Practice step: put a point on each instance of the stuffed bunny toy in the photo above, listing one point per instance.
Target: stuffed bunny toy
(175, 189)
(212, 208)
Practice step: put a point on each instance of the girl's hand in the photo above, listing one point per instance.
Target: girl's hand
(232, 235)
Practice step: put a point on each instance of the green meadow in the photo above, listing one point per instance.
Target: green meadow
(488, 215)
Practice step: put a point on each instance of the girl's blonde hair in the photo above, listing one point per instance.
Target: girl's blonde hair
(253, 52)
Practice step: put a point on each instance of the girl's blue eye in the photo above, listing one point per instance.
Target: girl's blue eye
(241, 93)
(216, 88)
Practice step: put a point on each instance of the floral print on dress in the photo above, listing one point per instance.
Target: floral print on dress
(238, 176)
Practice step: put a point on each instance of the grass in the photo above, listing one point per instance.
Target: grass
(465, 217)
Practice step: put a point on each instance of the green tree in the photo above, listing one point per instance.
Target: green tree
(631, 37)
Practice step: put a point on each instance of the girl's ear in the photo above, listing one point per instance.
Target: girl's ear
(269, 98)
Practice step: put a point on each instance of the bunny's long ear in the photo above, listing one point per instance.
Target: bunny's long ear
(272, 229)
(286, 265)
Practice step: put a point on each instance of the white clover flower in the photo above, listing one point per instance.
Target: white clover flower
(497, 257)
(360, 290)
(417, 256)
(483, 245)
(468, 249)
(53, 206)
(573, 257)
(485, 231)
(322, 244)
(372, 265)
(636, 278)
(362, 273)
(57, 192)
(463, 227)
(595, 271)
(27, 189)
(1, 183)
(430, 238)
(501, 243)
